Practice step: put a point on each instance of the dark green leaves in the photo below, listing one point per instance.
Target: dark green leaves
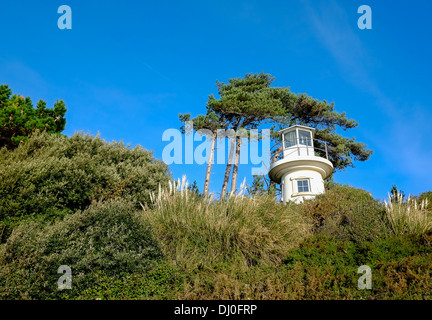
(18, 118)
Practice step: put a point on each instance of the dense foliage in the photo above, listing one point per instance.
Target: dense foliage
(49, 176)
(184, 246)
(347, 213)
(106, 238)
(19, 119)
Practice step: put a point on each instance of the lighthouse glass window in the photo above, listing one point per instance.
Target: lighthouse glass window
(290, 139)
(303, 185)
(305, 138)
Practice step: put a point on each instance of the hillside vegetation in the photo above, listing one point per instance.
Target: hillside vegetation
(127, 231)
(52, 175)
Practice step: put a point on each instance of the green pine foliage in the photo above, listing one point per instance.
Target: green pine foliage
(19, 119)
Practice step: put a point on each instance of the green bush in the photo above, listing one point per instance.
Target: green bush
(49, 176)
(323, 267)
(107, 237)
(347, 213)
(326, 268)
(164, 282)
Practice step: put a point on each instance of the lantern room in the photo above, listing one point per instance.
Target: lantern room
(301, 171)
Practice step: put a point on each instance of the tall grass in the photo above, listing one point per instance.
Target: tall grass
(408, 217)
(201, 232)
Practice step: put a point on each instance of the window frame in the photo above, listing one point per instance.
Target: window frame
(308, 139)
(298, 140)
(286, 140)
(302, 180)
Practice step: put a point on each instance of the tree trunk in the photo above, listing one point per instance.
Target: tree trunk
(274, 159)
(209, 165)
(236, 165)
(228, 168)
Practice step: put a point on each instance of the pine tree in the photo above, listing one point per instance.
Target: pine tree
(209, 125)
(246, 103)
(19, 119)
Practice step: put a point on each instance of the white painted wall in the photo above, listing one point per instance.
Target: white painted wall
(289, 185)
(298, 151)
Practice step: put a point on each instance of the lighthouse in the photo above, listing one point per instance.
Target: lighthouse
(301, 170)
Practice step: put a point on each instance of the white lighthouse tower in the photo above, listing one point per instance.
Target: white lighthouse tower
(300, 172)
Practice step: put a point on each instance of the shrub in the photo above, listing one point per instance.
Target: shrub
(107, 237)
(326, 268)
(347, 213)
(161, 283)
(322, 267)
(49, 176)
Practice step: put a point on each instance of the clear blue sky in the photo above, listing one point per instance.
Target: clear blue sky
(128, 68)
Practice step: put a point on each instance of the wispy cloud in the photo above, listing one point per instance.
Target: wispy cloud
(155, 71)
(22, 79)
(403, 135)
(333, 29)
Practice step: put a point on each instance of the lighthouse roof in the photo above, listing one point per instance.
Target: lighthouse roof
(297, 126)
